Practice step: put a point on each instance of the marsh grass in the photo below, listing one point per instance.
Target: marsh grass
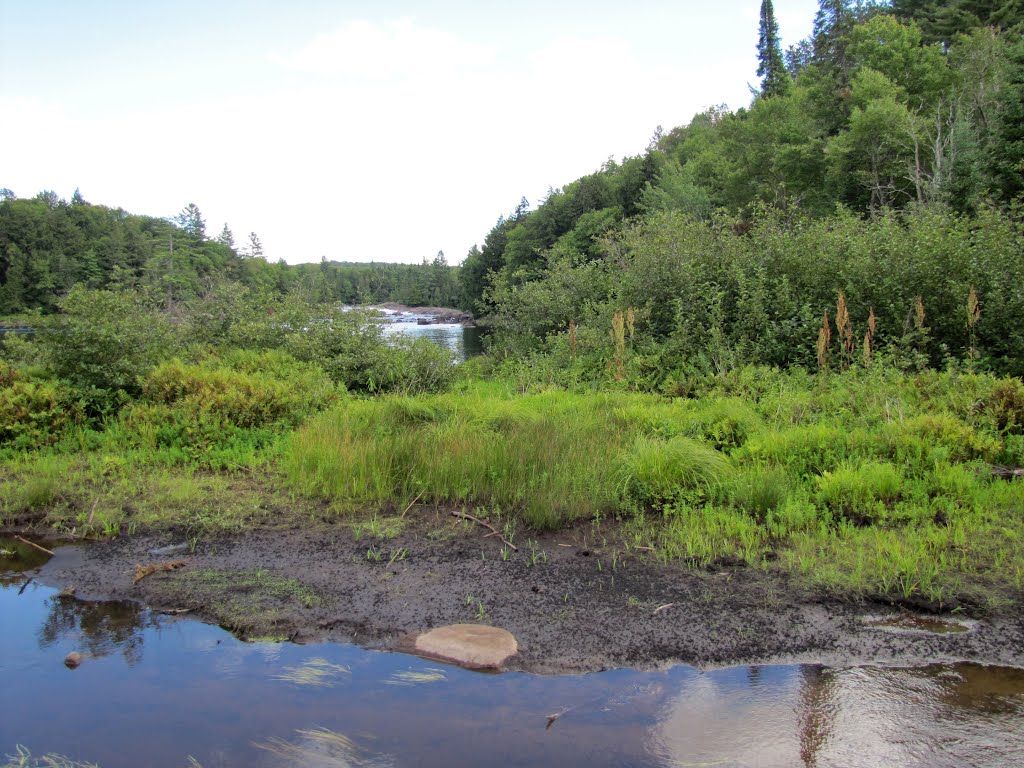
(318, 746)
(316, 673)
(862, 481)
(411, 677)
(22, 758)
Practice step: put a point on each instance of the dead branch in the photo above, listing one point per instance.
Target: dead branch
(418, 495)
(41, 549)
(1007, 473)
(488, 526)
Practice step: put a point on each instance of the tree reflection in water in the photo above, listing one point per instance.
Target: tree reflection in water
(101, 628)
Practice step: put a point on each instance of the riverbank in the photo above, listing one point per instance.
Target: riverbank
(768, 516)
(577, 600)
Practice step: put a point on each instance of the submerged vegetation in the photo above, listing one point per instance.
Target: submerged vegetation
(805, 358)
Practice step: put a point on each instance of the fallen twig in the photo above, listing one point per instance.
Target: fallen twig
(142, 571)
(494, 531)
(92, 512)
(41, 549)
(661, 608)
(404, 511)
(1007, 473)
(25, 585)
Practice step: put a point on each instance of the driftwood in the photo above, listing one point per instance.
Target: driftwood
(1007, 473)
(142, 571)
(41, 549)
(494, 531)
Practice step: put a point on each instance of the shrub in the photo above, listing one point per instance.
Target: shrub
(1006, 406)
(759, 491)
(262, 389)
(104, 340)
(34, 414)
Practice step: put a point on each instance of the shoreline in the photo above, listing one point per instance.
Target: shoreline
(574, 602)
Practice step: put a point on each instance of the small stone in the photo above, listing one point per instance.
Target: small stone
(472, 645)
(72, 660)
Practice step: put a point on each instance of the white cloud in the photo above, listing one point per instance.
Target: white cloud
(384, 140)
(365, 50)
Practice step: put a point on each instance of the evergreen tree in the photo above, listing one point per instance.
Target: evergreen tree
(832, 24)
(771, 68)
(226, 237)
(1007, 152)
(255, 246)
(190, 220)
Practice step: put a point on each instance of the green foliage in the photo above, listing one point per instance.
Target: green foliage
(255, 389)
(102, 340)
(1005, 405)
(761, 492)
(707, 300)
(350, 347)
(654, 472)
(220, 412)
(861, 494)
(34, 413)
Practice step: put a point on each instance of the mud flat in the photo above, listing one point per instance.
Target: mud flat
(573, 603)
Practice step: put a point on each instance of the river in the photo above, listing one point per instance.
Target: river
(464, 341)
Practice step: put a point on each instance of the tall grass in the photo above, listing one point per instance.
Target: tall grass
(554, 457)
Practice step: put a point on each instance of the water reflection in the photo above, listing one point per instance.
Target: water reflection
(962, 715)
(17, 559)
(197, 691)
(99, 628)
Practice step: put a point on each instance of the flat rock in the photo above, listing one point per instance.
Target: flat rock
(472, 645)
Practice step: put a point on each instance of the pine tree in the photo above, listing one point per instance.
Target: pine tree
(832, 24)
(255, 246)
(771, 67)
(226, 237)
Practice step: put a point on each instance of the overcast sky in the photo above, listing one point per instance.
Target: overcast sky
(359, 131)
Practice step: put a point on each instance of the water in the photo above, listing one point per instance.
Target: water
(154, 690)
(464, 342)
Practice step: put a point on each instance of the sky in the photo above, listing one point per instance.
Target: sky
(355, 131)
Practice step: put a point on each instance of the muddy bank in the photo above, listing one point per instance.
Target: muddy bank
(573, 602)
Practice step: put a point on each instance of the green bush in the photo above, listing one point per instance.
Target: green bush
(105, 341)
(276, 391)
(34, 413)
(1005, 405)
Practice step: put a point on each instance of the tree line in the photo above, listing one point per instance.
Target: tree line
(48, 245)
(881, 160)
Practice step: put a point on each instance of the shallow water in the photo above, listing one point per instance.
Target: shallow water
(154, 690)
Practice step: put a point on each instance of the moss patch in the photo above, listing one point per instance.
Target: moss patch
(250, 603)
